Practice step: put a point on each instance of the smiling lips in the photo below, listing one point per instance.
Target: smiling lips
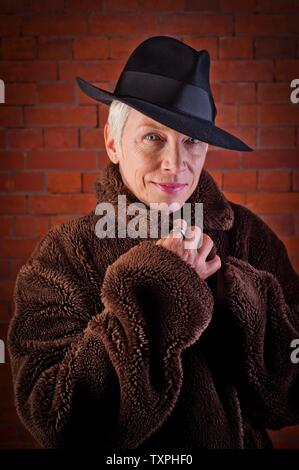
(170, 187)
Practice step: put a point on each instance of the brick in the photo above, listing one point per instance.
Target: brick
(17, 263)
(92, 70)
(11, 160)
(9, 25)
(62, 116)
(103, 159)
(157, 5)
(64, 182)
(91, 48)
(248, 115)
(83, 5)
(279, 114)
(61, 137)
(54, 25)
(57, 92)
(202, 42)
(239, 181)
(201, 5)
(61, 160)
(270, 159)
(265, 25)
(274, 92)
(28, 71)
(279, 6)
(55, 48)
(227, 115)
(242, 70)
(286, 69)
(277, 137)
(11, 116)
(217, 177)
(8, 413)
(274, 180)
(12, 204)
(88, 182)
(216, 90)
(6, 288)
(2, 139)
(18, 48)
(222, 159)
(281, 224)
(121, 48)
(271, 203)
(238, 93)
(5, 269)
(237, 198)
(235, 47)
(295, 181)
(84, 99)
(5, 313)
(6, 224)
(103, 115)
(31, 226)
(28, 182)
(233, 6)
(20, 93)
(16, 247)
(66, 203)
(133, 5)
(61, 219)
(92, 138)
(24, 138)
(247, 134)
(206, 25)
(275, 47)
(31, 6)
(292, 245)
(122, 24)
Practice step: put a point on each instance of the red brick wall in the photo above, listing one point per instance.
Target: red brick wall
(51, 134)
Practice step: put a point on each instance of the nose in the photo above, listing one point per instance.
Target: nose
(173, 158)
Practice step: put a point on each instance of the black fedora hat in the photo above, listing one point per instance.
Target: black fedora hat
(169, 82)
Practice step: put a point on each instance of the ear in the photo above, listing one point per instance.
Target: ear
(110, 144)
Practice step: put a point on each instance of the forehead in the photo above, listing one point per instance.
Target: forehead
(141, 120)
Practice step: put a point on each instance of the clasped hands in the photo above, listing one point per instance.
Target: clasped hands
(194, 248)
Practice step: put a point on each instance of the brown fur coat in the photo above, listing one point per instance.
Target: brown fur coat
(117, 343)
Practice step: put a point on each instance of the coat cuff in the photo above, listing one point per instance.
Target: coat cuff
(175, 304)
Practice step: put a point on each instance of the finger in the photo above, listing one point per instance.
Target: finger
(213, 265)
(192, 237)
(206, 247)
(181, 223)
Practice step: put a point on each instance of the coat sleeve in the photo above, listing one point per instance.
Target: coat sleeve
(261, 315)
(109, 377)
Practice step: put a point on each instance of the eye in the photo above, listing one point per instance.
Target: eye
(151, 134)
(195, 141)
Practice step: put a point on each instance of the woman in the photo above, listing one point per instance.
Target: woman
(132, 343)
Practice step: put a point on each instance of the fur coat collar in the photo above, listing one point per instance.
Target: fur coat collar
(217, 210)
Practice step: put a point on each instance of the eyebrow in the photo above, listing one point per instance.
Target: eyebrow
(151, 125)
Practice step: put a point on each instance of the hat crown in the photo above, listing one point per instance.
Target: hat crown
(170, 58)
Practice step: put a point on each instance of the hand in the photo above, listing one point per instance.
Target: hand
(194, 250)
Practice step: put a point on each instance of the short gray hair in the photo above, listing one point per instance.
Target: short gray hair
(117, 118)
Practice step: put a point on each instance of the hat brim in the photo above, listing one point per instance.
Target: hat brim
(186, 124)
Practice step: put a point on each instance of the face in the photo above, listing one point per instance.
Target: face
(157, 163)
